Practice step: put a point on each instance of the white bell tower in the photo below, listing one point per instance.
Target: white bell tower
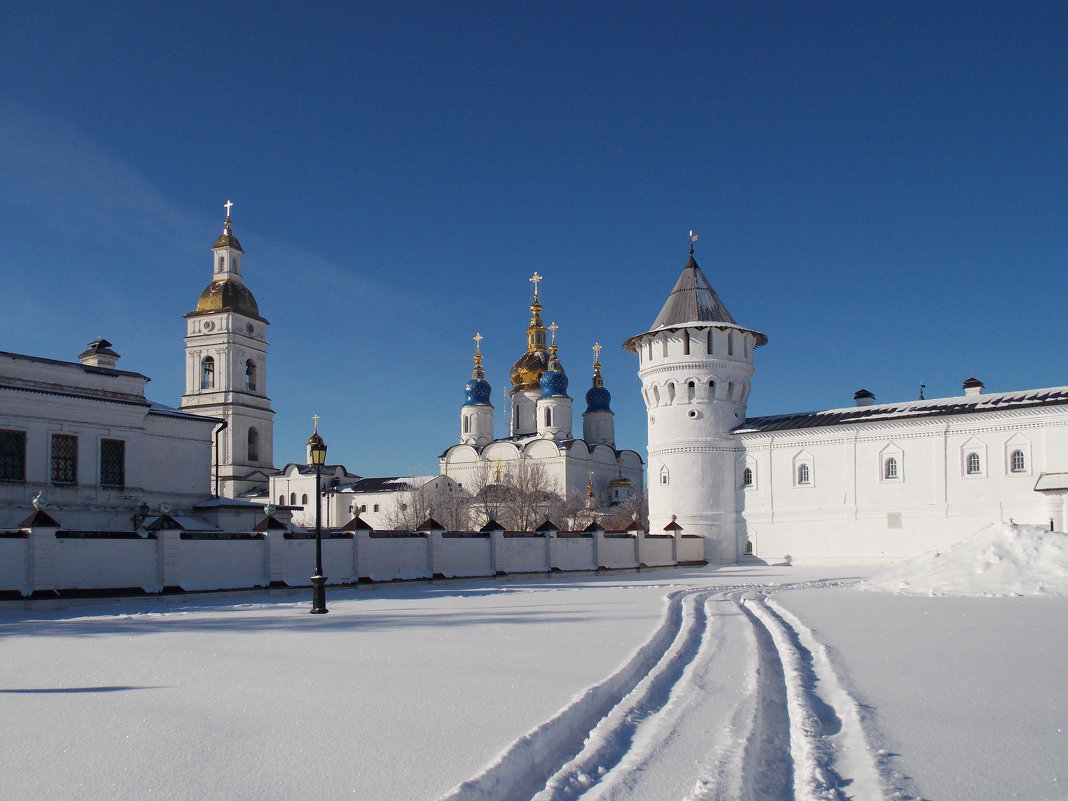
(226, 373)
(695, 363)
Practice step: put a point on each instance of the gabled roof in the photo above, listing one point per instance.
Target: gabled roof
(934, 407)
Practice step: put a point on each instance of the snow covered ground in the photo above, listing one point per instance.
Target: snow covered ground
(752, 682)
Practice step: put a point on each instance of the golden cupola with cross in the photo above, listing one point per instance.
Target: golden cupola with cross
(529, 368)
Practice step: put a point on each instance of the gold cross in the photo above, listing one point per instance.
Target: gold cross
(596, 352)
(228, 204)
(534, 279)
(478, 342)
(315, 422)
(552, 327)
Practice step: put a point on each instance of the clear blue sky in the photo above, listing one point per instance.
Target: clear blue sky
(879, 187)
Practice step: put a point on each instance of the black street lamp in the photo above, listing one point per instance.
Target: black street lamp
(317, 452)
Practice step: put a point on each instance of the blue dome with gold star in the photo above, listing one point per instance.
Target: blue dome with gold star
(478, 392)
(554, 381)
(598, 399)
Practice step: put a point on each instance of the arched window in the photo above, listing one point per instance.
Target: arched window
(747, 477)
(709, 341)
(663, 475)
(467, 424)
(663, 344)
(890, 467)
(253, 445)
(730, 390)
(548, 416)
(656, 395)
(671, 392)
(1017, 463)
(292, 499)
(250, 375)
(691, 391)
(281, 500)
(222, 264)
(974, 465)
(730, 343)
(207, 373)
(804, 476)
(304, 499)
(748, 547)
(686, 343)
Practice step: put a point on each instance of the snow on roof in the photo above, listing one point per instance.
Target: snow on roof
(1002, 559)
(1050, 482)
(934, 407)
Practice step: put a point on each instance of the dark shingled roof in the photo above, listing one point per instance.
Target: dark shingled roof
(692, 301)
(935, 407)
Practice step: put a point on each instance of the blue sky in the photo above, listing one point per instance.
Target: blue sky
(879, 187)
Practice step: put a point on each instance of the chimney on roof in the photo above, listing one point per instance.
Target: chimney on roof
(973, 386)
(99, 354)
(864, 398)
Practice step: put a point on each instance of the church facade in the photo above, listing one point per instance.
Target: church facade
(872, 482)
(541, 429)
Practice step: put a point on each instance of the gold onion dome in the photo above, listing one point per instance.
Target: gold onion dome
(228, 295)
(531, 366)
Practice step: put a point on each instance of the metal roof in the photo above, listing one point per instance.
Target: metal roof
(934, 407)
(692, 301)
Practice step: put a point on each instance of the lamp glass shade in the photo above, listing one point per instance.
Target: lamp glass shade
(317, 450)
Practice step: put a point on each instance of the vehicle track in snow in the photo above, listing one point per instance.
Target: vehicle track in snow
(731, 697)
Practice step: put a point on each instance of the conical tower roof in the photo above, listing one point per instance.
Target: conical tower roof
(692, 301)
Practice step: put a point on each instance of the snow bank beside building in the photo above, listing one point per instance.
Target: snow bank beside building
(1003, 559)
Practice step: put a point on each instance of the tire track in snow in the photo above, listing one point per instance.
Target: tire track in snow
(529, 763)
(829, 756)
(803, 741)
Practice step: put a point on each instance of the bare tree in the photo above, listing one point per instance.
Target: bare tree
(421, 499)
(622, 515)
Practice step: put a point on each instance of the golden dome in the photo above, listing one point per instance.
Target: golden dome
(228, 295)
(528, 370)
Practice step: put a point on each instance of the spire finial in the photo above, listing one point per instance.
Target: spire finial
(315, 423)
(227, 206)
(597, 355)
(552, 327)
(693, 238)
(536, 279)
(477, 373)
(478, 342)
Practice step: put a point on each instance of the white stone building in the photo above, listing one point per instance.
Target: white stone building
(83, 435)
(866, 483)
(226, 374)
(541, 428)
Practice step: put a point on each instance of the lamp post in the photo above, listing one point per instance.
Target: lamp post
(317, 452)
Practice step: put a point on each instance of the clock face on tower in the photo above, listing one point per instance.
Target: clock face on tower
(209, 325)
(250, 328)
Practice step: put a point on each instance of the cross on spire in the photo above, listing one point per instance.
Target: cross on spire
(552, 327)
(315, 423)
(596, 352)
(536, 279)
(227, 206)
(693, 238)
(478, 342)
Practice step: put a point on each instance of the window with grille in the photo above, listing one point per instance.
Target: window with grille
(1017, 462)
(747, 477)
(64, 459)
(890, 468)
(112, 463)
(12, 455)
(804, 475)
(974, 465)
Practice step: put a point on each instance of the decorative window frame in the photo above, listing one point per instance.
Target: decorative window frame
(749, 470)
(888, 452)
(975, 446)
(665, 476)
(1018, 442)
(806, 478)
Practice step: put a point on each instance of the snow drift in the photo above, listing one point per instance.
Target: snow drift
(1002, 559)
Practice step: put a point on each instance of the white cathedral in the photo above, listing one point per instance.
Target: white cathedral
(868, 482)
